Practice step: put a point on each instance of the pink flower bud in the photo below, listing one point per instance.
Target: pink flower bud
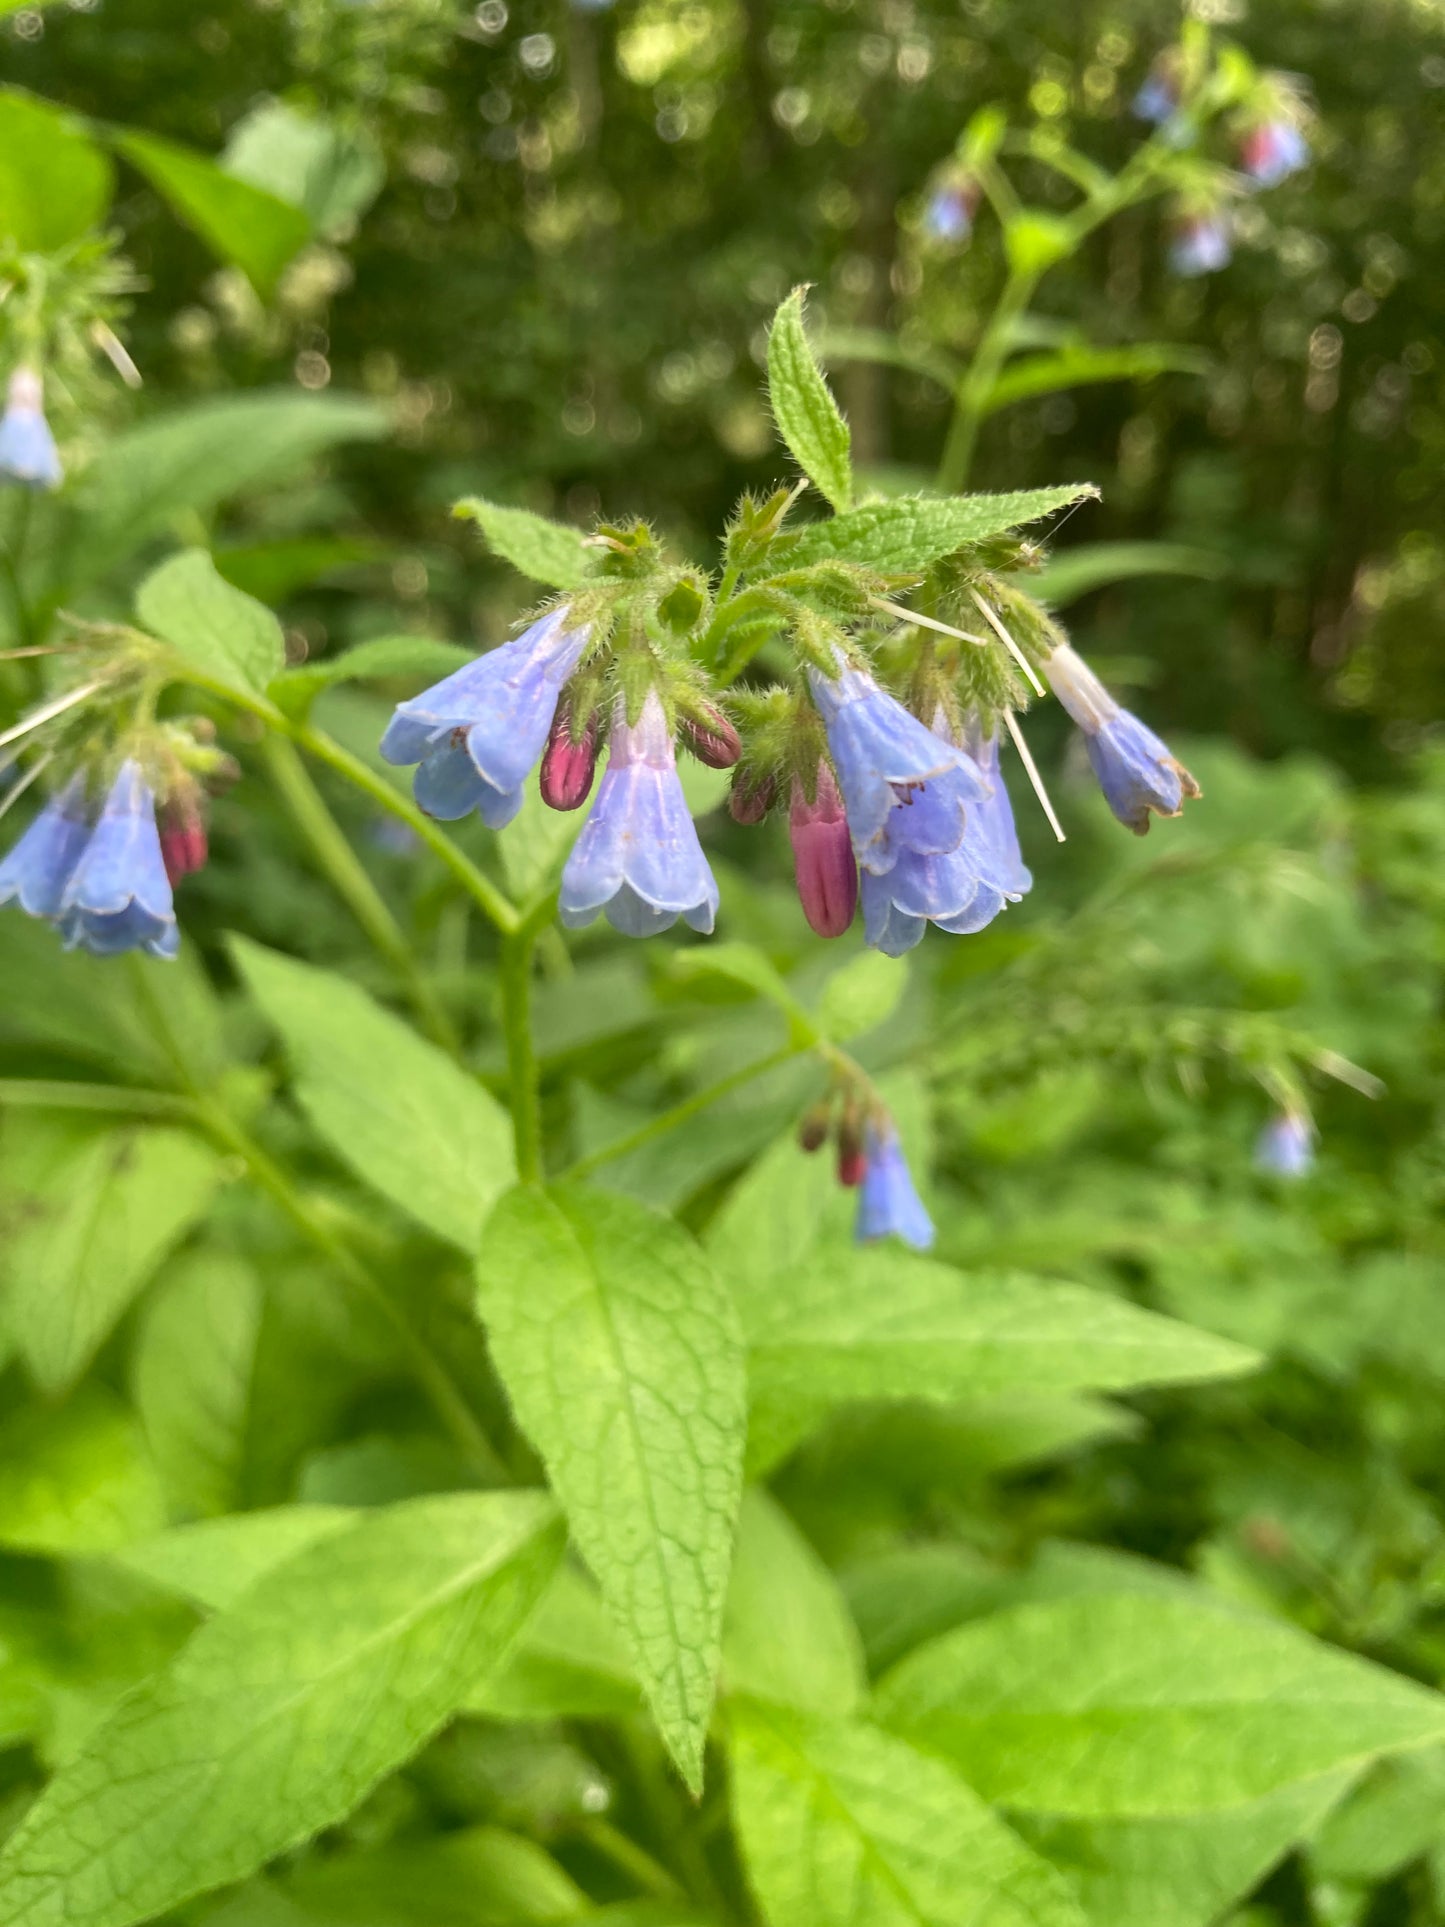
(823, 856)
(711, 737)
(568, 767)
(184, 846)
(751, 796)
(814, 1127)
(852, 1158)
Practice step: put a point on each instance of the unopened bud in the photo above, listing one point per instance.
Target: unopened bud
(751, 796)
(568, 767)
(184, 845)
(823, 856)
(711, 737)
(814, 1128)
(852, 1158)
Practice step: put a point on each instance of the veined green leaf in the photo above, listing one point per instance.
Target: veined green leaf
(91, 1214)
(1135, 1704)
(620, 1351)
(845, 1826)
(787, 1635)
(804, 409)
(1093, 565)
(255, 229)
(226, 634)
(215, 1561)
(547, 552)
(862, 994)
(568, 1663)
(1037, 375)
(403, 1116)
(55, 183)
(907, 535)
(75, 1478)
(279, 1715)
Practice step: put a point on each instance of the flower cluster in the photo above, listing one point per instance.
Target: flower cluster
(870, 1160)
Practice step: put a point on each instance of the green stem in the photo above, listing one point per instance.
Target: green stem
(14, 553)
(973, 392)
(666, 1121)
(523, 1092)
(352, 884)
(630, 1859)
(62, 1095)
(227, 1132)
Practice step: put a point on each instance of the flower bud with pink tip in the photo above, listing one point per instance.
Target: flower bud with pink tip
(823, 861)
(569, 763)
(711, 737)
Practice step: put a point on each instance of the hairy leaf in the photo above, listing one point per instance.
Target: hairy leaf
(909, 534)
(403, 1116)
(548, 552)
(278, 1716)
(805, 411)
(222, 632)
(620, 1351)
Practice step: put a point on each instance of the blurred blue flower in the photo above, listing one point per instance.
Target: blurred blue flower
(906, 790)
(888, 1204)
(119, 896)
(638, 857)
(1200, 245)
(1015, 878)
(1136, 771)
(1156, 100)
(478, 733)
(1270, 152)
(35, 872)
(948, 213)
(1286, 1145)
(27, 448)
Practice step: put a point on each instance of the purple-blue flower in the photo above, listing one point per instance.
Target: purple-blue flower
(1286, 1145)
(1136, 771)
(948, 213)
(35, 872)
(118, 896)
(477, 734)
(1015, 878)
(1200, 245)
(1156, 100)
(638, 857)
(888, 1204)
(27, 448)
(907, 791)
(1272, 151)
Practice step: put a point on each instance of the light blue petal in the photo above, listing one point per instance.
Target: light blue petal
(888, 1204)
(592, 874)
(35, 872)
(447, 785)
(634, 916)
(639, 855)
(121, 865)
(27, 449)
(885, 927)
(1136, 771)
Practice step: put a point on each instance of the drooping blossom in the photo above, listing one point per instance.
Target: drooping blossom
(949, 210)
(823, 860)
(34, 873)
(27, 448)
(638, 857)
(118, 896)
(1286, 1145)
(1271, 151)
(1136, 771)
(1158, 99)
(1200, 244)
(888, 1203)
(478, 733)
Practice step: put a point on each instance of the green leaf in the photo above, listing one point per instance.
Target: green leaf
(280, 1715)
(332, 175)
(806, 413)
(223, 633)
(75, 1477)
(862, 995)
(1184, 1872)
(1134, 1704)
(1037, 375)
(881, 1323)
(744, 964)
(191, 1374)
(844, 1826)
(890, 351)
(215, 1562)
(1093, 565)
(907, 535)
(91, 1214)
(548, 552)
(568, 1663)
(787, 1634)
(1390, 1819)
(407, 1120)
(620, 1351)
(188, 461)
(422, 658)
(257, 230)
(55, 183)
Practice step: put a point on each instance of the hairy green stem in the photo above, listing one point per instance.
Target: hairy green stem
(61, 1094)
(971, 398)
(351, 882)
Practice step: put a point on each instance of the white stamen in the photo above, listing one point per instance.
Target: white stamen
(1008, 642)
(1032, 771)
(1363, 1081)
(26, 780)
(49, 713)
(116, 353)
(916, 621)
